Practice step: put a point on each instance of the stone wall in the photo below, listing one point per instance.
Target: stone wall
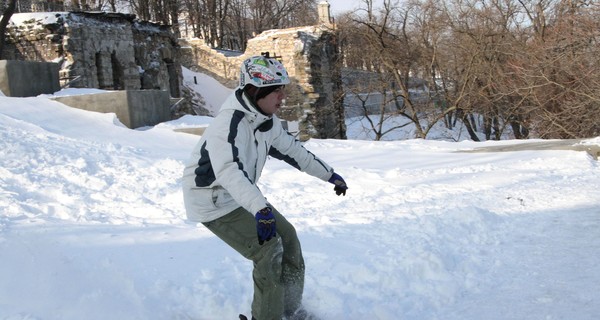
(308, 53)
(100, 50)
(157, 50)
(196, 55)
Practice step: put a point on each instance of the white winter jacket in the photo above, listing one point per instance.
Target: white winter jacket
(227, 162)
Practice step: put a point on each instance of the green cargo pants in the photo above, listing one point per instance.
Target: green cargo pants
(278, 264)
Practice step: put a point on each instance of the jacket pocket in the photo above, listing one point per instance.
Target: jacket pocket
(199, 200)
(221, 197)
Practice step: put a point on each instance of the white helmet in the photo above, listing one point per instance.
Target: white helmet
(261, 71)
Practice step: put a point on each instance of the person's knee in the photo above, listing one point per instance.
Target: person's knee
(288, 234)
(269, 261)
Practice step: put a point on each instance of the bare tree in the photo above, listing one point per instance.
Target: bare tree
(389, 43)
(142, 8)
(559, 76)
(88, 5)
(240, 29)
(229, 24)
(7, 13)
(483, 39)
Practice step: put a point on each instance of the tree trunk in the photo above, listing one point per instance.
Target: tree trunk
(467, 122)
(10, 9)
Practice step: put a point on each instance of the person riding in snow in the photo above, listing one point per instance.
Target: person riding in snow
(220, 186)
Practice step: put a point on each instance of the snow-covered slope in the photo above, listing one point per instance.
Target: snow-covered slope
(92, 226)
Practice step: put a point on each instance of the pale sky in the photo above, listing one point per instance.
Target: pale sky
(338, 6)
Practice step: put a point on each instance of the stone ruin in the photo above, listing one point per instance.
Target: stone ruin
(309, 54)
(116, 52)
(99, 50)
(314, 99)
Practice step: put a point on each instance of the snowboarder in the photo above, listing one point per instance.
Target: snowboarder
(220, 191)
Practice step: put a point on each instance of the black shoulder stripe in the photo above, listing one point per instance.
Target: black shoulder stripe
(205, 175)
(233, 132)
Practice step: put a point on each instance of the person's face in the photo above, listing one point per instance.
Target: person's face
(272, 102)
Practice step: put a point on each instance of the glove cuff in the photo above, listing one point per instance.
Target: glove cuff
(265, 211)
(334, 176)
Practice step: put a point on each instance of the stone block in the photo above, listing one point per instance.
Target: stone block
(134, 108)
(28, 78)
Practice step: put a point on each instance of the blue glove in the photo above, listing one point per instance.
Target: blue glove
(265, 225)
(340, 184)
